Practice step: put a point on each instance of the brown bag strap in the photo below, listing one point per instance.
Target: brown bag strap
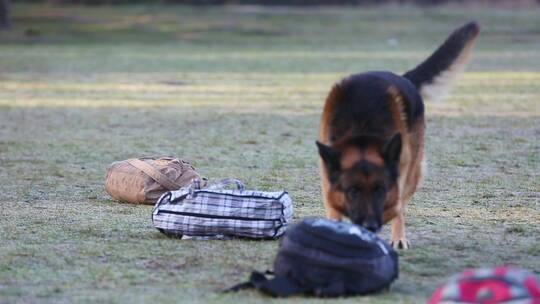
(159, 177)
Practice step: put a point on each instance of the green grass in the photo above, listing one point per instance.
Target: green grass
(238, 91)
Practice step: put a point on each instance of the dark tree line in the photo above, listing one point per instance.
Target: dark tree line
(5, 22)
(267, 2)
(5, 5)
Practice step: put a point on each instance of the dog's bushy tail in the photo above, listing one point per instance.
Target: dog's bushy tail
(434, 76)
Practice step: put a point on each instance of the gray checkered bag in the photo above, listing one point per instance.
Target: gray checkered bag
(217, 212)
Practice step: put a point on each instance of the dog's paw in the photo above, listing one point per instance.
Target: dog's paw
(400, 244)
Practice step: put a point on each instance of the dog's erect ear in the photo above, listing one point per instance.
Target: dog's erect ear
(331, 158)
(434, 76)
(392, 150)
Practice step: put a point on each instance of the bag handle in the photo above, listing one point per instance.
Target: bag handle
(149, 170)
(227, 182)
(197, 184)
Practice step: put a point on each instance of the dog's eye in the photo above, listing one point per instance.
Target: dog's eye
(379, 189)
(353, 192)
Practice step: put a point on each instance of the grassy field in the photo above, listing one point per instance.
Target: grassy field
(238, 91)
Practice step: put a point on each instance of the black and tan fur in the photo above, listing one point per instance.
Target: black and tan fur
(371, 137)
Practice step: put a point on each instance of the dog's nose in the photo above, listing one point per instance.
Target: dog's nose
(371, 225)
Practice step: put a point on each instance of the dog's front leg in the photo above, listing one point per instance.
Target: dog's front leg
(398, 238)
(331, 212)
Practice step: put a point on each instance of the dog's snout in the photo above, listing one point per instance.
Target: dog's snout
(371, 225)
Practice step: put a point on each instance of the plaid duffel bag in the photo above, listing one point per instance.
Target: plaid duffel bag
(216, 212)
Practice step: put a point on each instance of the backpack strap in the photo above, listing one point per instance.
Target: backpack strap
(279, 286)
(149, 170)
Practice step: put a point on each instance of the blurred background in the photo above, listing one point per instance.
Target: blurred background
(5, 18)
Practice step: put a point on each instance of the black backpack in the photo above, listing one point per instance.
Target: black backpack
(326, 258)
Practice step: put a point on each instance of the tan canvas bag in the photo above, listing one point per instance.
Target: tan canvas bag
(144, 180)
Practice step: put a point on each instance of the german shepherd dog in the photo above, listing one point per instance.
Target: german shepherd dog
(371, 137)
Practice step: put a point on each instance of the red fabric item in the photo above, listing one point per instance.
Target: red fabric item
(489, 286)
(494, 291)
